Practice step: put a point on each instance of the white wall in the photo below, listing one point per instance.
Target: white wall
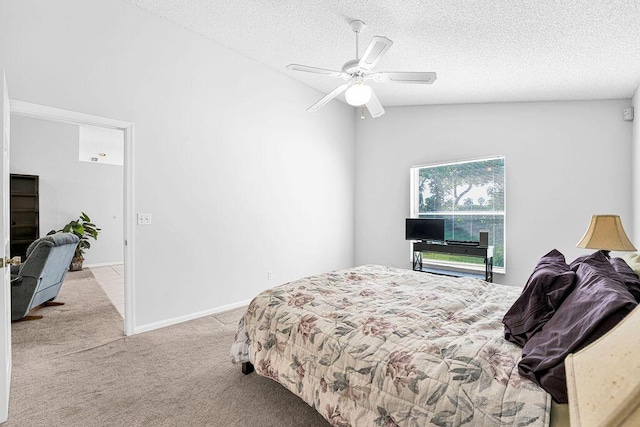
(635, 197)
(564, 162)
(239, 178)
(69, 186)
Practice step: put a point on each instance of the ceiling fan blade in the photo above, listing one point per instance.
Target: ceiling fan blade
(337, 91)
(378, 46)
(405, 77)
(374, 106)
(315, 70)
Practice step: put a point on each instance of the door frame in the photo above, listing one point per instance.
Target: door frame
(5, 301)
(37, 111)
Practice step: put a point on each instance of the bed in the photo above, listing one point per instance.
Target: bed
(380, 346)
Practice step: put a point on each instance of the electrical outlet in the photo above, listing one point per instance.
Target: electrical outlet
(144, 219)
(269, 275)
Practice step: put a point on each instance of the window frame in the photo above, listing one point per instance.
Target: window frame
(414, 172)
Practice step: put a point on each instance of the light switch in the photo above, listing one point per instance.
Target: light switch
(144, 219)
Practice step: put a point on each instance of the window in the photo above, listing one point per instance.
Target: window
(469, 195)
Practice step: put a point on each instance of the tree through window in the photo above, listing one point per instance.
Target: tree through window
(470, 197)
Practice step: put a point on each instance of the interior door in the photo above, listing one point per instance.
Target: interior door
(5, 303)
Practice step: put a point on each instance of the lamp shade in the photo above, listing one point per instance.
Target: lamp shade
(603, 379)
(358, 94)
(605, 233)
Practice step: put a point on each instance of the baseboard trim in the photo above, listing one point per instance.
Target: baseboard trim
(103, 264)
(164, 323)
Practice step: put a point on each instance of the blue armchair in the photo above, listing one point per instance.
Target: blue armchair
(39, 278)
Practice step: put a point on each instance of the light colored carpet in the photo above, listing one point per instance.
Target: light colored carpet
(88, 319)
(176, 376)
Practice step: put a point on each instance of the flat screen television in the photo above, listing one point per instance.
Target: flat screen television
(425, 229)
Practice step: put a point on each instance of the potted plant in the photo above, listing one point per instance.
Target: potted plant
(84, 229)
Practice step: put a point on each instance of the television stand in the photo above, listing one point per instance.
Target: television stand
(484, 252)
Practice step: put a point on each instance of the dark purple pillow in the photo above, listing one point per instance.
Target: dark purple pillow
(576, 262)
(550, 283)
(600, 300)
(629, 277)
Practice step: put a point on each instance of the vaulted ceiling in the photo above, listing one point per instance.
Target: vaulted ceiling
(481, 50)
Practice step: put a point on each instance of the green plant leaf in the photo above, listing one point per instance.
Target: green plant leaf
(84, 229)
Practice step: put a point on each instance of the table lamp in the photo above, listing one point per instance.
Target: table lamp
(606, 234)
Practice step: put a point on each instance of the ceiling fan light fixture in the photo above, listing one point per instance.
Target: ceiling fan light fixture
(356, 71)
(358, 94)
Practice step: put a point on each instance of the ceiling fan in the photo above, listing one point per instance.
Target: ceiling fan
(358, 71)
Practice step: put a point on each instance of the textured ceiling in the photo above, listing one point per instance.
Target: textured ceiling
(482, 50)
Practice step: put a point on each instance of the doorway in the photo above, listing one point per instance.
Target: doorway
(75, 174)
(36, 111)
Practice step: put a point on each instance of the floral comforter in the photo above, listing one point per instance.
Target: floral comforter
(380, 346)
